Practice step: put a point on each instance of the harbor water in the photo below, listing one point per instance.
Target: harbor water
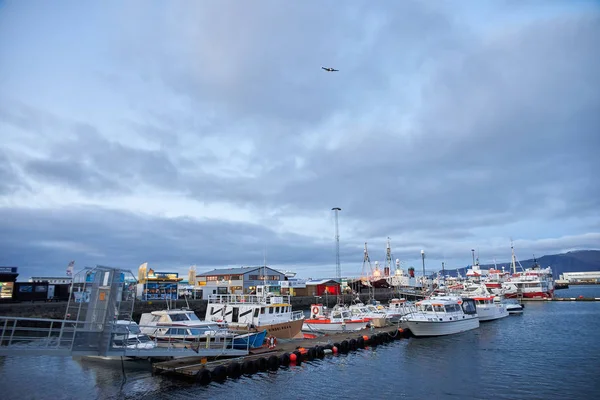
(550, 352)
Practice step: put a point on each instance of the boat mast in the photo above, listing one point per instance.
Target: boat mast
(514, 265)
(338, 267)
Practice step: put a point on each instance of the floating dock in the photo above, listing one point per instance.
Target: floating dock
(292, 352)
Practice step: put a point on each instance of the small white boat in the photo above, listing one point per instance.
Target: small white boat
(337, 320)
(377, 317)
(397, 308)
(488, 309)
(513, 307)
(127, 334)
(181, 325)
(441, 315)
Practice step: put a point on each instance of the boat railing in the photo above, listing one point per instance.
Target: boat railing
(247, 299)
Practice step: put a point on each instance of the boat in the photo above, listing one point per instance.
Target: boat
(488, 309)
(250, 340)
(397, 308)
(534, 282)
(264, 310)
(513, 307)
(338, 319)
(441, 315)
(127, 334)
(376, 317)
(181, 325)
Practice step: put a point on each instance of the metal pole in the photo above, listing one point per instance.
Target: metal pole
(423, 258)
(443, 271)
(473, 252)
(338, 267)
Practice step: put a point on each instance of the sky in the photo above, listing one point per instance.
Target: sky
(206, 133)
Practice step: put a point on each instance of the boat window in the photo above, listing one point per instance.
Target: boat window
(277, 310)
(262, 310)
(256, 311)
(193, 317)
(337, 315)
(428, 307)
(270, 310)
(438, 308)
(468, 306)
(179, 317)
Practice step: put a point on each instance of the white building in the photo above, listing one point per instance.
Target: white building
(590, 276)
(237, 280)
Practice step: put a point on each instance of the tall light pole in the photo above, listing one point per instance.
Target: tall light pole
(473, 252)
(338, 267)
(423, 258)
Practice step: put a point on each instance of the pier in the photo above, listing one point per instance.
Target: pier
(290, 352)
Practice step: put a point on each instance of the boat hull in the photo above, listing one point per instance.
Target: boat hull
(281, 330)
(250, 340)
(437, 328)
(491, 312)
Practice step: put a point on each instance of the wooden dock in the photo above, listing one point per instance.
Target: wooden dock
(193, 367)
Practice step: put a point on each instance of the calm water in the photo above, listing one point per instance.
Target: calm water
(550, 352)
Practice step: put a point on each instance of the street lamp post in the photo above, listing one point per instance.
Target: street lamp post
(423, 259)
(473, 252)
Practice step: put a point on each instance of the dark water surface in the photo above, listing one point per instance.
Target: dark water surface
(552, 351)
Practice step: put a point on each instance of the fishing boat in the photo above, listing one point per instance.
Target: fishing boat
(338, 319)
(441, 315)
(265, 310)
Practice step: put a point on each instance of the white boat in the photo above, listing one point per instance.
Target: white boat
(513, 307)
(181, 325)
(265, 310)
(338, 319)
(441, 315)
(127, 334)
(377, 317)
(397, 308)
(488, 309)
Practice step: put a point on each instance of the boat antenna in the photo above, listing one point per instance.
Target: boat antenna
(338, 267)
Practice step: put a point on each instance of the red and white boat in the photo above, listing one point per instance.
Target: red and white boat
(534, 282)
(338, 319)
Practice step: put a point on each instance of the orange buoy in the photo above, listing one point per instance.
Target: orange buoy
(292, 357)
(401, 330)
(334, 349)
(366, 338)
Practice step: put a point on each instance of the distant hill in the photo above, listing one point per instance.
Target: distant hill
(572, 261)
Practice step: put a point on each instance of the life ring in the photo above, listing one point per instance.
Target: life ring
(315, 310)
(272, 342)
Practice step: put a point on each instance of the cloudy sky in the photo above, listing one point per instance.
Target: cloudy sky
(206, 132)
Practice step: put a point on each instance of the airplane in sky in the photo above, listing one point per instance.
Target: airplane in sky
(330, 69)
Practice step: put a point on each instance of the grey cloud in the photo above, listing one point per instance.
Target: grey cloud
(46, 239)
(264, 59)
(10, 179)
